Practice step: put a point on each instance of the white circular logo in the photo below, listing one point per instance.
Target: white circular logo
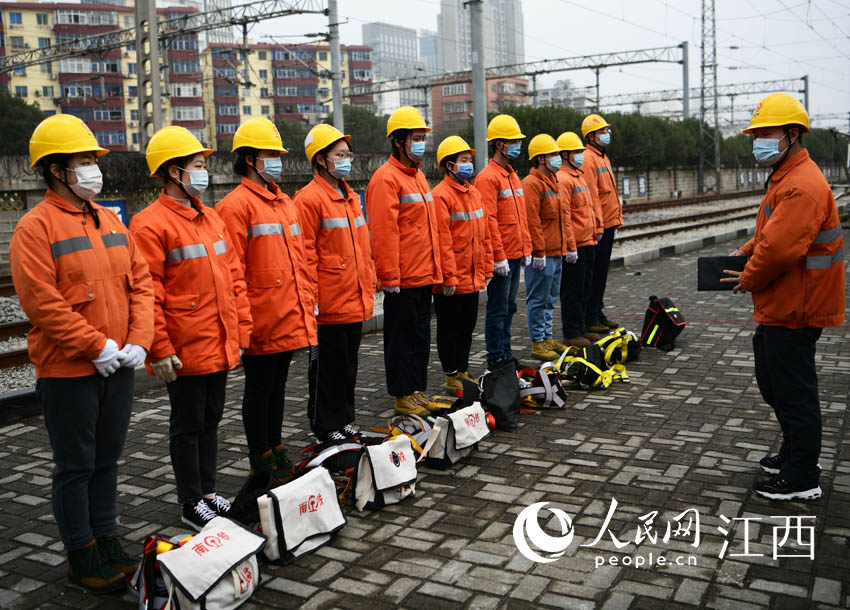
(526, 525)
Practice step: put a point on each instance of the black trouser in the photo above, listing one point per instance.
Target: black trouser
(576, 287)
(600, 275)
(197, 402)
(456, 318)
(86, 420)
(407, 339)
(786, 376)
(263, 399)
(332, 377)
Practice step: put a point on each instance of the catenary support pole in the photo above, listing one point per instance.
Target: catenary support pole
(479, 85)
(336, 68)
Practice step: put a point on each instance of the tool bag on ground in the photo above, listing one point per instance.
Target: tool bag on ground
(339, 459)
(588, 370)
(146, 586)
(542, 387)
(386, 474)
(412, 426)
(300, 516)
(216, 569)
(499, 394)
(619, 346)
(662, 324)
(454, 436)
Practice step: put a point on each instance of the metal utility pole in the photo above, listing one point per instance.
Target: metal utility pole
(708, 100)
(148, 77)
(596, 108)
(806, 92)
(686, 97)
(479, 84)
(336, 64)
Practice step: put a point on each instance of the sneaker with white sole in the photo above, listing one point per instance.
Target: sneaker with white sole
(197, 515)
(219, 505)
(772, 463)
(778, 488)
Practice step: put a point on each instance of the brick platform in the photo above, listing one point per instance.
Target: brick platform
(685, 434)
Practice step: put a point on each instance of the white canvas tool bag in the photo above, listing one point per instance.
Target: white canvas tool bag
(300, 516)
(217, 568)
(386, 474)
(455, 435)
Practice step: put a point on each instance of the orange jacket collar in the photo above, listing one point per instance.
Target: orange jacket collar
(178, 208)
(504, 171)
(54, 198)
(593, 148)
(550, 180)
(570, 170)
(463, 188)
(261, 191)
(331, 191)
(800, 157)
(411, 171)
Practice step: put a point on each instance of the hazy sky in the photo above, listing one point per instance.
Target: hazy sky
(757, 40)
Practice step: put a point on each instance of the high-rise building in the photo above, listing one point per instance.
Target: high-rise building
(562, 93)
(395, 55)
(429, 52)
(222, 35)
(504, 40)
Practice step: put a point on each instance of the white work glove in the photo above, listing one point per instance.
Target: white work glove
(527, 260)
(107, 362)
(616, 231)
(315, 309)
(571, 257)
(501, 268)
(737, 252)
(538, 263)
(487, 281)
(448, 290)
(392, 289)
(599, 237)
(132, 356)
(164, 369)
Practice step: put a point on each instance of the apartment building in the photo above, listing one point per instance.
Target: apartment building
(451, 101)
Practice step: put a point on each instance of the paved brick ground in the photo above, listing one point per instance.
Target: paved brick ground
(686, 433)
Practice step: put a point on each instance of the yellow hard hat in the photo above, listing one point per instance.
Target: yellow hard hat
(593, 122)
(259, 133)
(62, 133)
(172, 143)
(542, 144)
(569, 140)
(406, 117)
(779, 109)
(505, 127)
(451, 146)
(320, 137)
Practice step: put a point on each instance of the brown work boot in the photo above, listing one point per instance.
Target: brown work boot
(281, 466)
(555, 346)
(409, 405)
(592, 336)
(578, 342)
(87, 567)
(609, 323)
(597, 327)
(541, 351)
(453, 384)
(465, 376)
(115, 556)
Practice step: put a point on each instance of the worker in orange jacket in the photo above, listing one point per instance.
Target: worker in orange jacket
(502, 193)
(202, 318)
(600, 179)
(86, 290)
(340, 265)
(405, 242)
(268, 242)
(551, 239)
(795, 272)
(577, 275)
(468, 263)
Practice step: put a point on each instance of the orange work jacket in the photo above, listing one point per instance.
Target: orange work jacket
(603, 188)
(405, 240)
(339, 252)
(548, 216)
(79, 285)
(576, 194)
(462, 219)
(795, 270)
(201, 311)
(267, 238)
(502, 193)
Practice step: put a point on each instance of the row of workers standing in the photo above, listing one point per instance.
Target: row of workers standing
(190, 291)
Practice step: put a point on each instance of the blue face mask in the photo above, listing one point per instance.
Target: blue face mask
(605, 138)
(464, 171)
(578, 159)
(417, 151)
(766, 150)
(272, 167)
(199, 180)
(554, 163)
(513, 150)
(342, 168)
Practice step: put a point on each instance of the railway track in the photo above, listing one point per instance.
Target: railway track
(7, 289)
(685, 201)
(697, 217)
(688, 227)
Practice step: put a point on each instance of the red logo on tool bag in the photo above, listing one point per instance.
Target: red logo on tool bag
(471, 419)
(199, 549)
(212, 541)
(397, 458)
(245, 578)
(312, 504)
(223, 536)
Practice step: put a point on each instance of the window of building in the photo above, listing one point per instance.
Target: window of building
(361, 74)
(135, 136)
(113, 137)
(246, 110)
(85, 114)
(306, 108)
(224, 72)
(16, 19)
(323, 56)
(227, 127)
(454, 107)
(184, 66)
(76, 65)
(186, 89)
(16, 42)
(187, 113)
(360, 56)
(264, 74)
(131, 46)
(227, 109)
(129, 21)
(226, 54)
(134, 114)
(286, 91)
(324, 92)
(183, 43)
(41, 19)
(457, 89)
(21, 91)
(71, 17)
(200, 134)
(225, 91)
(109, 113)
(264, 92)
(110, 65)
(80, 90)
(261, 55)
(22, 71)
(43, 43)
(47, 91)
(264, 110)
(133, 91)
(45, 68)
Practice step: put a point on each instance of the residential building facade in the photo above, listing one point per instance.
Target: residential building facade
(451, 101)
(504, 34)
(395, 55)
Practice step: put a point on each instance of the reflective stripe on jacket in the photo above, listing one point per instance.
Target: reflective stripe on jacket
(201, 311)
(338, 250)
(575, 192)
(548, 216)
(269, 241)
(795, 270)
(79, 285)
(602, 183)
(405, 240)
(502, 193)
(463, 222)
